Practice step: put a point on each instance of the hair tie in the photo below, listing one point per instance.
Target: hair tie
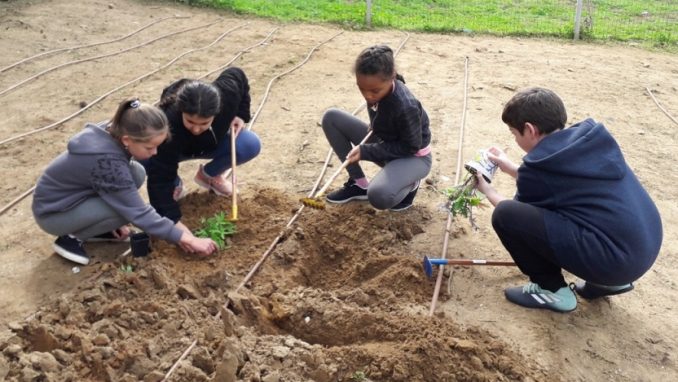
(135, 104)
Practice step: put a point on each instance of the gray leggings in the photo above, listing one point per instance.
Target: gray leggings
(91, 217)
(396, 178)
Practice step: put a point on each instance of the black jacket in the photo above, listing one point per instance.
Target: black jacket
(400, 123)
(163, 168)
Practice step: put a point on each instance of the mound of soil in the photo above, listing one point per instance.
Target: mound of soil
(339, 299)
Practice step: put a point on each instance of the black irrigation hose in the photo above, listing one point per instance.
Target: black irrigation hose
(26, 80)
(89, 45)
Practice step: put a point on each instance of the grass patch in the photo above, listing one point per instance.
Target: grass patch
(651, 21)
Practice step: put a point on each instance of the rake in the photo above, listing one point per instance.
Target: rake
(317, 201)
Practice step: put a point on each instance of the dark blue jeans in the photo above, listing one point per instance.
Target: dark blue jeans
(247, 147)
(521, 228)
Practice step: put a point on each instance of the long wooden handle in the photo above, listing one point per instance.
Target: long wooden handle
(234, 196)
(471, 262)
(342, 167)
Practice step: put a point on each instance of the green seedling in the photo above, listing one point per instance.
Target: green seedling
(126, 268)
(461, 199)
(217, 228)
(359, 376)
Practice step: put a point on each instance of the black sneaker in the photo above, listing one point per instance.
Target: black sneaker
(407, 202)
(591, 291)
(350, 191)
(71, 248)
(108, 236)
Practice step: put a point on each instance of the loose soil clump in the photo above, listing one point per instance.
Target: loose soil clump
(339, 298)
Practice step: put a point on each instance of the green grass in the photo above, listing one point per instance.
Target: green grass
(650, 21)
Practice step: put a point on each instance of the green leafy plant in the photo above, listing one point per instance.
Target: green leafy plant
(462, 198)
(217, 228)
(126, 268)
(359, 376)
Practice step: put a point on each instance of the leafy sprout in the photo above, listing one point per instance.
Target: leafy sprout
(217, 228)
(359, 376)
(462, 198)
(126, 268)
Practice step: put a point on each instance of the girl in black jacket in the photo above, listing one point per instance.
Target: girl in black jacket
(202, 116)
(400, 142)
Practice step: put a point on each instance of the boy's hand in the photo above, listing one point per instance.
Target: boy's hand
(498, 156)
(482, 185)
(490, 193)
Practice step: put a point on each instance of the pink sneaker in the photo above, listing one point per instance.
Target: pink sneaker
(218, 184)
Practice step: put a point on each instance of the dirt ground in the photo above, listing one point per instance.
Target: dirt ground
(343, 295)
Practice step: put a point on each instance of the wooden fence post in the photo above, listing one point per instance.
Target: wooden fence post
(577, 19)
(368, 14)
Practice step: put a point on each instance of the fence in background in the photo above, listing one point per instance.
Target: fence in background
(654, 21)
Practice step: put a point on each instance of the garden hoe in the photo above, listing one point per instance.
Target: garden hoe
(429, 263)
(317, 201)
(234, 192)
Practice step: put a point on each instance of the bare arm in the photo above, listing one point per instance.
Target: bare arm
(490, 193)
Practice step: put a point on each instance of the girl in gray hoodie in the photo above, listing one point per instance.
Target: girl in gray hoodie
(90, 192)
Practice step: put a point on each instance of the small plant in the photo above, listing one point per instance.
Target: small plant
(359, 376)
(461, 199)
(126, 268)
(216, 228)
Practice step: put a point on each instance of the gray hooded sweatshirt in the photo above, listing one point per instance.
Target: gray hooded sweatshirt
(96, 165)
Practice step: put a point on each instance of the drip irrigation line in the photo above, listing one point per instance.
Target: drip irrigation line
(282, 234)
(103, 56)
(90, 45)
(28, 192)
(270, 84)
(176, 364)
(239, 54)
(101, 97)
(660, 106)
(275, 242)
(16, 200)
(448, 226)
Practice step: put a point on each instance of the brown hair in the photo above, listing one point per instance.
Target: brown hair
(538, 106)
(139, 121)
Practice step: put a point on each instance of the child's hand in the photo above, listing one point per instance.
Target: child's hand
(354, 155)
(203, 246)
(200, 246)
(498, 156)
(482, 185)
(490, 193)
(236, 125)
(121, 233)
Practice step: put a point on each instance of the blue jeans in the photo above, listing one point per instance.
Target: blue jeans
(247, 147)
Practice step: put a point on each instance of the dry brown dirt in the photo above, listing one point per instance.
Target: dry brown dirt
(343, 294)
